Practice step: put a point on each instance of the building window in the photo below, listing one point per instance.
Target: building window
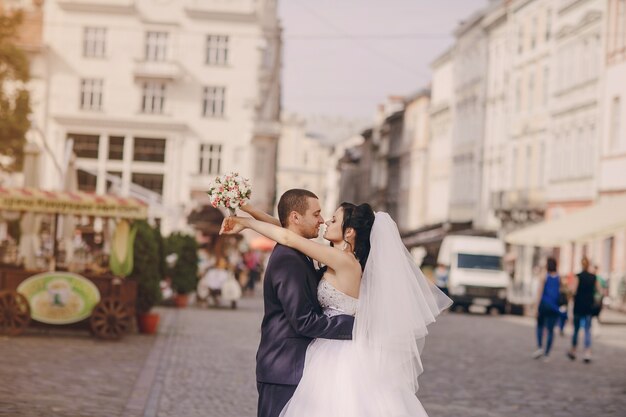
(596, 54)
(533, 33)
(210, 159)
(91, 94)
(585, 59)
(86, 182)
(520, 39)
(213, 103)
(616, 111)
(116, 148)
(528, 166)
(555, 160)
(85, 146)
(515, 168)
(152, 182)
(542, 165)
(579, 160)
(216, 50)
(156, 46)
(153, 97)
(94, 42)
(548, 24)
(618, 26)
(546, 85)
(531, 91)
(518, 95)
(590, 149)
(568, 154)
(149, 150)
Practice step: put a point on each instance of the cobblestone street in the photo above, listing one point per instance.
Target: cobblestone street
(202, 364)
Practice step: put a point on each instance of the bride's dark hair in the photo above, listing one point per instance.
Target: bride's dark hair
(361, 219)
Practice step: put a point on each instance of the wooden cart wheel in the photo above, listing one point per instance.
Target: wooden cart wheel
(110, 319)
(14, 313)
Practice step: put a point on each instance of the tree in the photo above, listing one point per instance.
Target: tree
(14, 96)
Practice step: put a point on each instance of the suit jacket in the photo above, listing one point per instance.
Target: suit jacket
(293, 317)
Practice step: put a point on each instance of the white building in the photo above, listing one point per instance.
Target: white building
(162, 95)
(470, 69)
(303, 159)
(532, 28)
(442, 120)
(332, 193)
(494, 168)
(414, 186)
(610, 253)
(576, 126)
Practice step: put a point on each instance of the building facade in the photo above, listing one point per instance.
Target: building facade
(576, 129)
(610, 252)
(442, 119)
(494, 167)
(157, 98)
(303, 159)
(414, 186)
(470, 68)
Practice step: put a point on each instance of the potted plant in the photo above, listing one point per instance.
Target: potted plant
(182, 265)
(148, 274)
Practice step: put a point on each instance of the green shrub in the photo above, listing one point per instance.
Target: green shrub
(146, 266)
(183, 272)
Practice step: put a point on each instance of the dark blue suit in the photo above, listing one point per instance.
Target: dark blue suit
(293, 318)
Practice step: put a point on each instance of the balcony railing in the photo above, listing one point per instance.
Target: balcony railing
(111, 6)
(157, 69)
(518, 199)
(212, 8)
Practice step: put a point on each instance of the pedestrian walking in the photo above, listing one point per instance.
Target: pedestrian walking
(585, 286)
(547, 310)
(252, 260)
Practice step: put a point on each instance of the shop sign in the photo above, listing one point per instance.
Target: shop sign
(59, 297)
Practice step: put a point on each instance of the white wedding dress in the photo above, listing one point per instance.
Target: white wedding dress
(375, 374)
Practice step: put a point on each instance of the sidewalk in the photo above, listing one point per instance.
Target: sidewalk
(612, 316)
(202, 364)
(609, 331)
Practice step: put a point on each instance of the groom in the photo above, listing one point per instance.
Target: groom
(293, 316)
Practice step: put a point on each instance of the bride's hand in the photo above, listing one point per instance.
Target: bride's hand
(232, 225)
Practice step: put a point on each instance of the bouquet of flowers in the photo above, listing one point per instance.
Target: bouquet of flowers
(230, 191)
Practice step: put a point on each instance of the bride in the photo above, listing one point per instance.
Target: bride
(370, 275)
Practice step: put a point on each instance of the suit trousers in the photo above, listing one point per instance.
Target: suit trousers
(273, 398)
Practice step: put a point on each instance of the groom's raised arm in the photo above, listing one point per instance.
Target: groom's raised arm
(301, 310)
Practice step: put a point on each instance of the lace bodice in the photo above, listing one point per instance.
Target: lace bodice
(334, 302)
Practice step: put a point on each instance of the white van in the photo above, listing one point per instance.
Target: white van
(474, 273)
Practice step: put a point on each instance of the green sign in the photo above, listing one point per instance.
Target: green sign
(59, 297)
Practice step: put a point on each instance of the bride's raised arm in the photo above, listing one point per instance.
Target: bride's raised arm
(260, 215)
(326, 255)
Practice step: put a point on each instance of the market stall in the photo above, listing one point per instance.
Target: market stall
(99, 299)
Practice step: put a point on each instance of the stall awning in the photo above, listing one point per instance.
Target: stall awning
(599, 220)
(74, 203)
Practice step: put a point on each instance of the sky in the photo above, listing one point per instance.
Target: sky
(344, 57)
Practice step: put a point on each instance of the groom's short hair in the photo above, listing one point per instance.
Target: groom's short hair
(293, 200)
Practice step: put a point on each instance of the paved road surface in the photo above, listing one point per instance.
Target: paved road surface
(202, 364)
